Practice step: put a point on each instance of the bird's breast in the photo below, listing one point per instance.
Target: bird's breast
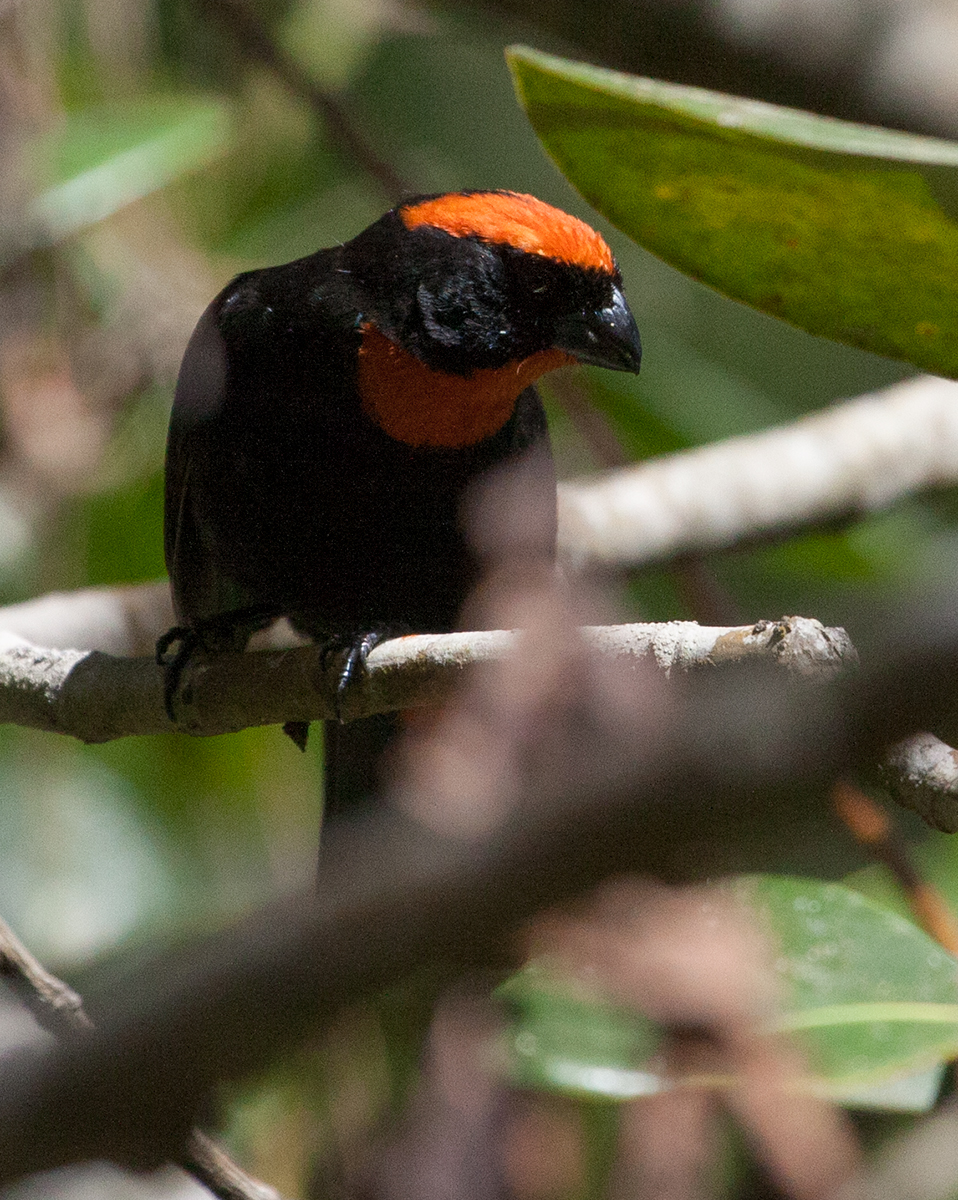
(419, 406)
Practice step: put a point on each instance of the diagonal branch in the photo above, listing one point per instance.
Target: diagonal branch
(59, 1010)
(256, 44)
(848, 460)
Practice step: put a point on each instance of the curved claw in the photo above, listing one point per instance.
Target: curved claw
(357, 649)
(190, 641)
(225, 631)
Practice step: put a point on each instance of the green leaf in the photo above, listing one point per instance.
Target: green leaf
(567, 1038)
(101, 159)
(870, 997)
(845, 230)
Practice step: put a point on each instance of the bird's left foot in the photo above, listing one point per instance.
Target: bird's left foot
(355, 650)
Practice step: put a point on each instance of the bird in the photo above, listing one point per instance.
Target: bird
(331, 413)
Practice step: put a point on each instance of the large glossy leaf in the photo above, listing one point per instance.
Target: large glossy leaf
(871, 1000)
(101, 159)
(845, 230)
(870, 997)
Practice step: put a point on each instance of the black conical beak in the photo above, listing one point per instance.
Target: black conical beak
(605, 337)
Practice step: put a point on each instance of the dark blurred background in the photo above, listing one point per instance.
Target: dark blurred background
(151, 149)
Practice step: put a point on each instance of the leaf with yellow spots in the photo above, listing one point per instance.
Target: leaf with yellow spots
(847, 231)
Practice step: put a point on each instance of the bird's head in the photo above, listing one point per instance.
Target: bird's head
(486, 291)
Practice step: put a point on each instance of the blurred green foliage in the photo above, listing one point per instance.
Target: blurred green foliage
(872, 999)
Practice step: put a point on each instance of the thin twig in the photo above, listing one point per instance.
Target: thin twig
(210, 1165)
(255, 42)
(56, 1007)
(59, 1010)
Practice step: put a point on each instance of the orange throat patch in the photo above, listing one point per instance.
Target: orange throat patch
(422, 407)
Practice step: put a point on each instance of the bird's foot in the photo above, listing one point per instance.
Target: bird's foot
(214, 635)
(173, 651)
(354, 650)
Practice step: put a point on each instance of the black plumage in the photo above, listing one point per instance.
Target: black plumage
(286, 495)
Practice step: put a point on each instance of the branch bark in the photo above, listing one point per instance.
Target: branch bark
(97, 697)
(848, 460)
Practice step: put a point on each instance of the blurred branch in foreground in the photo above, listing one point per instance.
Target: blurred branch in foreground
(920, 1165)
(586, 770)
(59, 1010)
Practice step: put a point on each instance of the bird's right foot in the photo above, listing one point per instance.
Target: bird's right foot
(213, 635)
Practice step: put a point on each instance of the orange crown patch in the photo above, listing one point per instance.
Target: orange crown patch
(513, 219)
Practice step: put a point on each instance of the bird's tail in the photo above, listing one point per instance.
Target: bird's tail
(356, 761)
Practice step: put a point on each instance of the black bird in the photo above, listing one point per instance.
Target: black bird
(331, 413)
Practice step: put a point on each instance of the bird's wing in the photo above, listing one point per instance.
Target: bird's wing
(200, 588)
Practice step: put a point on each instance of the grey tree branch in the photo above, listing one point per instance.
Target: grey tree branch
(59, 1010)
(853, 458)
(97, 697)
